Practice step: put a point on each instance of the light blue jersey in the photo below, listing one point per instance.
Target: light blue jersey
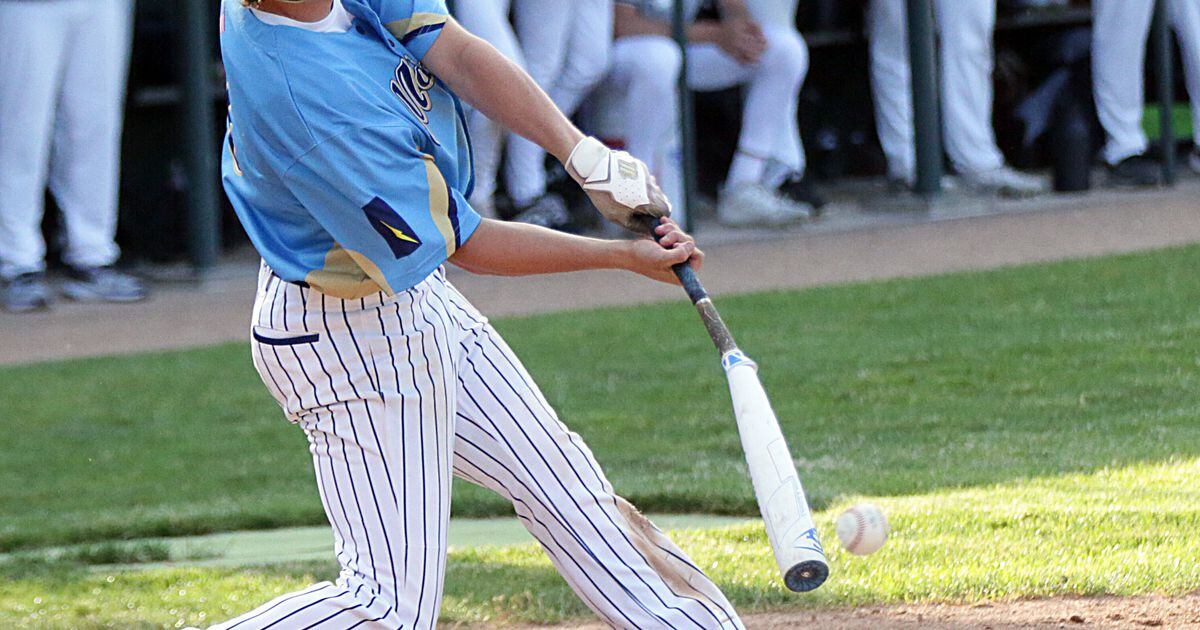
(347, 162)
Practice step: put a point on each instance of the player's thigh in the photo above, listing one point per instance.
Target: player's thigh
(710, 68)
(33, 38)
(489, 20)
(542, 28)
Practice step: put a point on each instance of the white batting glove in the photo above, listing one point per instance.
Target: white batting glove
(619, 184)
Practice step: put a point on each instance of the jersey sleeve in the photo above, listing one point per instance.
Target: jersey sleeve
(416, 23)
(385, 202)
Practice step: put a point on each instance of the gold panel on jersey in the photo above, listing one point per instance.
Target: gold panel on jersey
(348, 275)
(439, 204)
(400, 28)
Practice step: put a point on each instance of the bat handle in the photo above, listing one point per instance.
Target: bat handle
(687, 276)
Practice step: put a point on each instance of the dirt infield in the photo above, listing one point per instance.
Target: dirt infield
(867, 245)
(1074, 612)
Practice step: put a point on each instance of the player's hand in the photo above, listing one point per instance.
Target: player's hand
(619, 184)
(742, 38)
(655, 259)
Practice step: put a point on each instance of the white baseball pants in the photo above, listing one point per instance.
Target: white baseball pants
(1119, 35)
(643, 83)
(487, 19)
(63, 65)
(566, 46)
(966, 61)
(396, 394)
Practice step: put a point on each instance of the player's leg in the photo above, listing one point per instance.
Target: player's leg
(891, 86)
(1119, 33)
(567, 49)
(967, 60)
(769, 147)
(33, 38)
(640, 103)
(542, 28)
(489, 20)
(510, 440)
(1185, 18)
(770, 131)
(373, 393)
(85, 165)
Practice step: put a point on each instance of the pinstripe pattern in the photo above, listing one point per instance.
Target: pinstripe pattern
(398, 393)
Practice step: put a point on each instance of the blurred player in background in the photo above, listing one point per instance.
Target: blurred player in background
(965, 28)
(1119, 34)
(763, 185)
(567, 46)
(63, 65)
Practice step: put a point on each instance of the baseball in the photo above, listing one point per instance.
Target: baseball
(862, 529)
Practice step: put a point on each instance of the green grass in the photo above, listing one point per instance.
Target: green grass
(1181, 121)
(883, 389)
(1032, 430)
(1115, 531)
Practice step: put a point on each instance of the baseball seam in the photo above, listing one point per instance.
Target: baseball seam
(860, 529)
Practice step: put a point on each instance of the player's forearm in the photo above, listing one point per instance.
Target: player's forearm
(500, 89)
(518, 249)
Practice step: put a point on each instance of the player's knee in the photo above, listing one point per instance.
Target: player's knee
(786, 54)
(658, 61)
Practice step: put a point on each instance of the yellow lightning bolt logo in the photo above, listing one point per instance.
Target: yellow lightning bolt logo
(401, 235)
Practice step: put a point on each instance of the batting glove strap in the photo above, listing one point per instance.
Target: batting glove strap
(619, 184)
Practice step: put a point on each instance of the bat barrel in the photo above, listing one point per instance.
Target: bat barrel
(806, 576)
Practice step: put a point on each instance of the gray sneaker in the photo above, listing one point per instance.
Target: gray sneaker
(25, 293)
(1194, 160)
(748, 205)
(1006, 182)
(102, 284)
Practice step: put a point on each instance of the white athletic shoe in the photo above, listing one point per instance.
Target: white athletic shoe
(1006, 182)
(1194, 160)
(754, 204)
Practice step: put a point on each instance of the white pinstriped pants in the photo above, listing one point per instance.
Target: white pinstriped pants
(398, 393)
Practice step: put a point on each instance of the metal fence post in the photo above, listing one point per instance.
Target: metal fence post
(927, 126)
(200, 147)
(1164, 72)
(687, 123)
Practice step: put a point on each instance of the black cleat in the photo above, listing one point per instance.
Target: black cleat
(1135, 171)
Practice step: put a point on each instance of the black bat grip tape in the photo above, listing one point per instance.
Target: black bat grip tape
(683, 271)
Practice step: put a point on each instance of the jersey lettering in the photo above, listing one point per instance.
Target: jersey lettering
(412, 84)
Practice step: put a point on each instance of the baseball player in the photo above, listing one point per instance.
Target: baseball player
(1118, 64)
(348, 164)
(62, 85)
(966, 56)
(770, 59)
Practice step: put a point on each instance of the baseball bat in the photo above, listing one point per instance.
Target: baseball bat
(780, 496)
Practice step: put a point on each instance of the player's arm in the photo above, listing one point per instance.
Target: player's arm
(619, 185)
(499, 88)
(519, 249)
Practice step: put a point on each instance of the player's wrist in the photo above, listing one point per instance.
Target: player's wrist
(621, 255)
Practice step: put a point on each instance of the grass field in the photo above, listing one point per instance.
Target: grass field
(1030, 431)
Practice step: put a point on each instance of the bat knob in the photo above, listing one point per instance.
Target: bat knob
(806, 576)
